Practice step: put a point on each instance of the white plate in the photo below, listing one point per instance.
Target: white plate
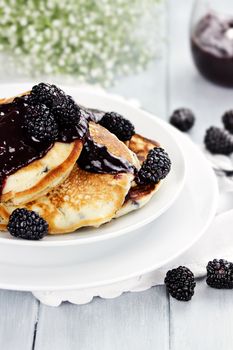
(148, 126)
(135, 254)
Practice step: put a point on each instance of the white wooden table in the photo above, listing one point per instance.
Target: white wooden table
(147, 320)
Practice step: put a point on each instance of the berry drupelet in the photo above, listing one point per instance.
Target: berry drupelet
(118, 125)
(27, 224)
(155, 168)
(180, 283)
(46, 94)
(66, 111)
(220, 274)
(40, 124)
(218, 141)
(227, 120)
(183, 119)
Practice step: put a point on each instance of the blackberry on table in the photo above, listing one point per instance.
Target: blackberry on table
(180, 283)
(27, 224)
(220, 274)
(46, 94)
(67, 112)
(183, 119)
(228, 120)
(40, 124)
(118, 125)
(155, 168)
(218, 141)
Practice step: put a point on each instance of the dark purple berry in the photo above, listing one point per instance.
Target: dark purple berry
(67, 112)
(40, 124)
(27, 224)
(155, 168)
(228, 120)
(118, 125)
(218, 141)
(183, 119)
(46, 94)
(220, 274)
(180, 283)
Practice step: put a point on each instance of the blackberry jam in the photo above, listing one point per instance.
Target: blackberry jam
(212, 48)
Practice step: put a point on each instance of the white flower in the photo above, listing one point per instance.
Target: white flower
(73, 40)
(23, 21)
(93, 40)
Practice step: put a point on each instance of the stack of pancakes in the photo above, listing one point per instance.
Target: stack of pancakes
(68, 197)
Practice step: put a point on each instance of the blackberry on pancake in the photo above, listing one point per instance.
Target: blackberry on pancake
(155, 168)
(118, 125)
(46, 94)
(66, 111)
(139, 195)
(40, 123)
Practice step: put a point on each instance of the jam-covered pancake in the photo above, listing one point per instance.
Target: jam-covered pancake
(28, 168)
(86, 198)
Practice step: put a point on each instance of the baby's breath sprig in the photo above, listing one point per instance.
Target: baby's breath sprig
(94, 40)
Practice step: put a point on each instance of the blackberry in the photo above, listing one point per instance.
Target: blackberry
(228, 121)
(220, 274)
(46, 94)
(180, 283)
(183, 119)
(27, 224)
(67, 112)
(40, 124)
(155, 168)
(118, 125)
(218, 141)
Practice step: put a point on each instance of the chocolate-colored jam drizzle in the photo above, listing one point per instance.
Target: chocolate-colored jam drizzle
(16, 148)
(97, 159)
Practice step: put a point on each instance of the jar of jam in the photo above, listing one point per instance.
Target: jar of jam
(212, 40)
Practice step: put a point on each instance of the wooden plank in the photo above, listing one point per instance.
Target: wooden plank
(18, 317)
(132, 321)
(203, 323)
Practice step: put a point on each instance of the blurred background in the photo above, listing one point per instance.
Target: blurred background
(150, 50)
(87, 40)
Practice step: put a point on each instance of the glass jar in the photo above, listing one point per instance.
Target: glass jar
(211, 38)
